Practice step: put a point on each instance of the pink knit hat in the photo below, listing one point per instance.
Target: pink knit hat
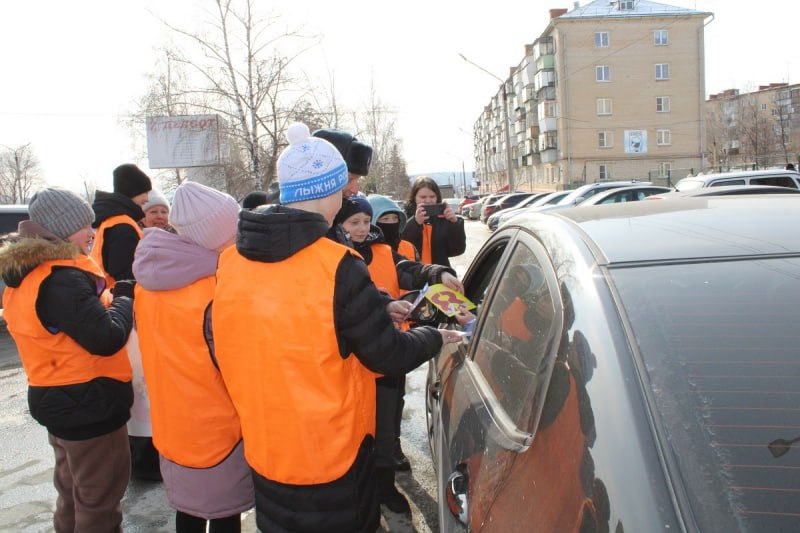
(205, 215)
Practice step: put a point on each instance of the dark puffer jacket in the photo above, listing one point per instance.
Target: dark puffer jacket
(448, 239)
(363, 328)
(120, 241)
(68, 303)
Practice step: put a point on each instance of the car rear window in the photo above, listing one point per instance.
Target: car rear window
(721, 347)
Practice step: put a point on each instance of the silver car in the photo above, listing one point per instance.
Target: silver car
(633, 367)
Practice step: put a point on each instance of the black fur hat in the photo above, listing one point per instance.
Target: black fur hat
(356, 154)
(130, 180)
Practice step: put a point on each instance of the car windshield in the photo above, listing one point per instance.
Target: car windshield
(689, 184)
(721, 347)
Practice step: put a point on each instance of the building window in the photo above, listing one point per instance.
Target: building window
(664, 169)
(663, 104)
(604, 106)
(625, 5)
(763, 107)
(605, 171)
(663, 137)
(661, 37)
(602, 73)
(605, 139)
(662, 71)
(601, 39)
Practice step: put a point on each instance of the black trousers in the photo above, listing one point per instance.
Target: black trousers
(389, 397)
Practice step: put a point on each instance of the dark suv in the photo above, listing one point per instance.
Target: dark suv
(10, 217)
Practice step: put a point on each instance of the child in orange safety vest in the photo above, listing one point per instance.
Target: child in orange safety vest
(393, 274)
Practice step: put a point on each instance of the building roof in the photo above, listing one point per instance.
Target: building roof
(641, 8)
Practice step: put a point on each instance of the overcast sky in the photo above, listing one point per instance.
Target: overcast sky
(71, 70)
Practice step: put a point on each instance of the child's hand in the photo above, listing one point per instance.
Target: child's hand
(464, 317)
(398, 310)
(452, 282)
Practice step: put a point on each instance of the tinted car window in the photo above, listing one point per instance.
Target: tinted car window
(723, 361)
(9, 220)
(722, 183)
(514, 337)
(778, 181)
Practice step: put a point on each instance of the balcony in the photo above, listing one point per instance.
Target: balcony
(547, 124)
(545, 62)
(544, 78)
(548, 156)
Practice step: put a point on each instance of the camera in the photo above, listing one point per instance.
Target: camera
(433, 210)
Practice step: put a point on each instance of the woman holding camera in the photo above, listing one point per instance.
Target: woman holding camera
(433, 228)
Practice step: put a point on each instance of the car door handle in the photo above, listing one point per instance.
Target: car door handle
(456, 494)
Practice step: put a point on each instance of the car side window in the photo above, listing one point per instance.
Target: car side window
(777, 181)
(479, 281)
(722, 183)
(515, 337)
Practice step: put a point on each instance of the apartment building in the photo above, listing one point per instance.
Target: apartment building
(610, 90)
(757, 129)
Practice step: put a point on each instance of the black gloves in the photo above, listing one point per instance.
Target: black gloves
(124, 288)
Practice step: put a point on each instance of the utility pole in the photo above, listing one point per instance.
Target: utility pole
(506, 122)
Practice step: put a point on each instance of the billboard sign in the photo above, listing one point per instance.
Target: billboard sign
(186, 141)
(635, 141)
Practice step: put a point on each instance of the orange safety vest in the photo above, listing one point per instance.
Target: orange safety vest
(407, 250)
(383, 271)
(304, 409)
(425, 253)
(512, 320)
(53, 360)
(193, 418)
(97, 247)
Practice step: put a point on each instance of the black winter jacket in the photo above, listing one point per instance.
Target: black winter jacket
(68, 303)
(448, 239)
(120, 241)
(411, 275)
(363, 328)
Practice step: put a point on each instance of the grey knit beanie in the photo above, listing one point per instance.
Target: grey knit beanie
(59, 211)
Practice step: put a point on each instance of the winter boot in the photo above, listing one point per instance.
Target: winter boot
(388, 494)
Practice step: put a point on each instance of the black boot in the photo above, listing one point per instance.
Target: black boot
(388, 494)
(399, 459)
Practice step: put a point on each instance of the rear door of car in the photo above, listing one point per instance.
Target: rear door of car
(489, 392)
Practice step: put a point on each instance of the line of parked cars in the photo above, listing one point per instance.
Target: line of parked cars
(499, 208)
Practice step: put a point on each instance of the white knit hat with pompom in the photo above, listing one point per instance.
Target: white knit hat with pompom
(310, 167)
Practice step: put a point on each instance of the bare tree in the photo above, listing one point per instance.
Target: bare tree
(757, 133)
(19, 174)
(246, 71)
(378, 126)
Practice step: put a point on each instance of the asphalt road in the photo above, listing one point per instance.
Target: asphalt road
(27, 496)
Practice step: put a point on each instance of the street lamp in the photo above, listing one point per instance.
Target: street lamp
(506, 122)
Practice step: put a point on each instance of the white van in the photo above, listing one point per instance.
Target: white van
(776, 177)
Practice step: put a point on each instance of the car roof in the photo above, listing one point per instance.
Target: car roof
(605, 194)
(708, 178)
(712, 227)
(727, 190)
(578, 192)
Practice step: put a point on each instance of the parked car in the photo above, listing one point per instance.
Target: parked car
(624, 194)
(493, 221)
(490, 206)
(453, 204)
(775, 177)
(10, 217)
(632, 368)
(468, 199)
(473, 211)
(725, 190)
(538, 204)
(585, 192)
